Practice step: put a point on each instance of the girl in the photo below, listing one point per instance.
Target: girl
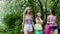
(38, 25)
(27, 21)
(51, 20)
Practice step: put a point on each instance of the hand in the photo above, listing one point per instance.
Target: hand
(38, 18)
(22, 25)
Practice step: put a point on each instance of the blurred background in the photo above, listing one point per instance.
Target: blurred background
(11, 12)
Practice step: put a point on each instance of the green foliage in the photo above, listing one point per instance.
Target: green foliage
(13, 10)
(3, 28)
(13, 21)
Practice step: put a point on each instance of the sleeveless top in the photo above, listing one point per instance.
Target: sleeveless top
(28, 20)
(51, 19)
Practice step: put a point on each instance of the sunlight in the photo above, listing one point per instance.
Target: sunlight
(1, 11)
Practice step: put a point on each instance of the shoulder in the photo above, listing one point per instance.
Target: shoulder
(54, 16)
(41, 19)
(36, 18)
(24, 15)
(48, 16)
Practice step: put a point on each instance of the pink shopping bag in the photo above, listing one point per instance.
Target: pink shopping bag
(46, 29)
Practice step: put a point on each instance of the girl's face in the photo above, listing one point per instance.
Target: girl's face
(28, 11)
(39, 15)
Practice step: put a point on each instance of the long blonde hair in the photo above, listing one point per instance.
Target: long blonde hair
(25, 11)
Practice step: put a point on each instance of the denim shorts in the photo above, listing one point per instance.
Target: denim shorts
(53, 28)
(28, 27)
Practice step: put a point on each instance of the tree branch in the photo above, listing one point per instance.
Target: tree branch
(41, 6)
(55, 4)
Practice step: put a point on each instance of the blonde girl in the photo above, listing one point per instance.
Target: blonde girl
(27, 21)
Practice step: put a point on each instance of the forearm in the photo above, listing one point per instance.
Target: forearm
(32, 23)
(48, 22)
(41, 21)
(22, 24)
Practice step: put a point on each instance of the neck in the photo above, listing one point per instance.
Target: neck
(51, 14)
(28, 14)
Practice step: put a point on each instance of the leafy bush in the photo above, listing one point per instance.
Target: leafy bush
(3, 28)
(13, 21)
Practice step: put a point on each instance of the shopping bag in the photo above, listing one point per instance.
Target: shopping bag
(38, 27)
(46, 29)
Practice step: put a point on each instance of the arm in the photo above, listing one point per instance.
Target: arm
(48, 20)
(32, 21)
(41, 21)
(36, 20)
(55, 20)
(55, 17)
(23, 20)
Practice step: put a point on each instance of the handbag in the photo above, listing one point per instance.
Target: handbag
(47, 29)
(38, 27)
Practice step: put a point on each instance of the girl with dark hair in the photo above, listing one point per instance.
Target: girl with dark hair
(51, 20)
(52, 12)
